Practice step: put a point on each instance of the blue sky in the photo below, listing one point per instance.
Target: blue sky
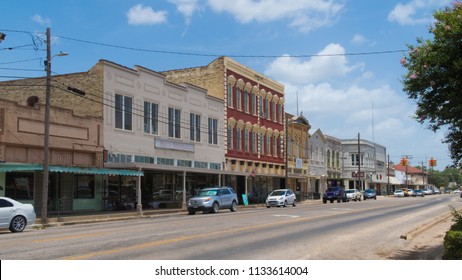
(340, 58)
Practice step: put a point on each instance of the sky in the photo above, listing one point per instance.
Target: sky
(339, 60)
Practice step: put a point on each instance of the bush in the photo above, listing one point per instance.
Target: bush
(453, 238)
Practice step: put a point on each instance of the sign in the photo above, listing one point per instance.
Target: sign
(355, 174)
(172, 145)
(298, 163)
(245, 199)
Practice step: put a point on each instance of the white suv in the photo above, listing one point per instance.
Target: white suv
(212, 199)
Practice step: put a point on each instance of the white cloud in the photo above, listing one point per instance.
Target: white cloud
(327, 65)
(415, 12)
(41, 21)
(305, 15)
(358, 39)
(140, 15)
(187, 8)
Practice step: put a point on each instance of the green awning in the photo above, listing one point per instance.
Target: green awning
(10, 167)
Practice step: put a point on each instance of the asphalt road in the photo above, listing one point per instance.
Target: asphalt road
(366, 230)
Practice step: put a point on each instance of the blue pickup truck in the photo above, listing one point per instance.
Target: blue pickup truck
(334, 193)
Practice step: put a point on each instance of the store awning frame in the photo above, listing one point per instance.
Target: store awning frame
(11, 167)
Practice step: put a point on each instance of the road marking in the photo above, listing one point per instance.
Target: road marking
(290, 216)
(342, 209)
(67, 237)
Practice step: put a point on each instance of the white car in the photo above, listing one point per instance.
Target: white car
(398, 193)
(281, 197)
(353, 194)
(15, 215)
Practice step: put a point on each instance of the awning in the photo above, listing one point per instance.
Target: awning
(10, 167)
(394, 181)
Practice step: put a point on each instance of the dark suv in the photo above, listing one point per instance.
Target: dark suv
(212, 199)
(334, 193)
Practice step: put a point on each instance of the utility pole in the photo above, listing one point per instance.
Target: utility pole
(359, 164)
(46, 143)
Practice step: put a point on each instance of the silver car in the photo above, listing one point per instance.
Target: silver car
(281, 197)
(212, 199)
(15, 215)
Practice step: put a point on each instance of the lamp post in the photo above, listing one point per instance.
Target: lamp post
(46, 143)
(287, 153)
(359, 164)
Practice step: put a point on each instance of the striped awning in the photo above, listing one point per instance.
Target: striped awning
(10, 167)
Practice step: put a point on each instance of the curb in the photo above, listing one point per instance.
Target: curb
(414, 232)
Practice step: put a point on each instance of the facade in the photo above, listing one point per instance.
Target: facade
(254, 123)
(173, 133)
(76, 178)
(297, 155)
(318, 168)
(333, 161)
(364, 165)
(411, 177)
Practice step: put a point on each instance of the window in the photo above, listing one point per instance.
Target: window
(262, 142)
(174, 123)
(238, 98)
(246, 140)
(195, 127)
(268, 145)
(151, 114)
(273, 113)
(246, 101)
(275, 147)
(123, 112)
(19, 185)
(230, 96)
(238, 139)
(254, 142)
(268, 109)
(230, 138)
(85, 187)
(254, 104)
(213, 131)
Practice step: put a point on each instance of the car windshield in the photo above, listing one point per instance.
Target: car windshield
(369, 191)
(208, 193)
(333, 189)
(350, 191)
(278, 193)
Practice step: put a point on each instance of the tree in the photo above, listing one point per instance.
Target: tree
(434, 77)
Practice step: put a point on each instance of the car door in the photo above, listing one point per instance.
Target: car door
(6, 211)
(225, 197)
(290, 197)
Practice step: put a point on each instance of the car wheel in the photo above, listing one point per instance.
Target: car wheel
(18, 224)
(215, 207)
(268, 206)
(359, 199)
(191, 212)
(324, 201)
(285, 203)
(294, 203)
(233, 206)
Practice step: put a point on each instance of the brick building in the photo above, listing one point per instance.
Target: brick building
(254, 127)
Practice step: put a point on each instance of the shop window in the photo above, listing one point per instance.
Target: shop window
(19, 186)
(85, 187)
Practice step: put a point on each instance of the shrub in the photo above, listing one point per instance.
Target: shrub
(453, 238)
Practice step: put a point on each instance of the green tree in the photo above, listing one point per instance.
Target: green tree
(434, 77)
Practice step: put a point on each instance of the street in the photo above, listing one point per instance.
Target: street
(365, 230)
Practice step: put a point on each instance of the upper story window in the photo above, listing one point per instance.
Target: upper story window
(195, 127)
(213, 131)
(246, 140)
(174, 121)
(230, 138)
(151, 117)
(246, 101)
(239, 139)
(230, 96)
(238, 99)
(254, 104)
(123, 112)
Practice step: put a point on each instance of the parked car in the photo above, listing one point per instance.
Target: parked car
(418, 193)
(369, 194)
(436, 191)
(213, 199)
(334, 193)
(398, 193)
(15, 215)
(353, 194)
(427, 192)
(281, 197)
(408, 192)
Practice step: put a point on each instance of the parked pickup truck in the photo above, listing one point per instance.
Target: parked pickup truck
(334, 193)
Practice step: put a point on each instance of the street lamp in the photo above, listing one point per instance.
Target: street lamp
(46, 144)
